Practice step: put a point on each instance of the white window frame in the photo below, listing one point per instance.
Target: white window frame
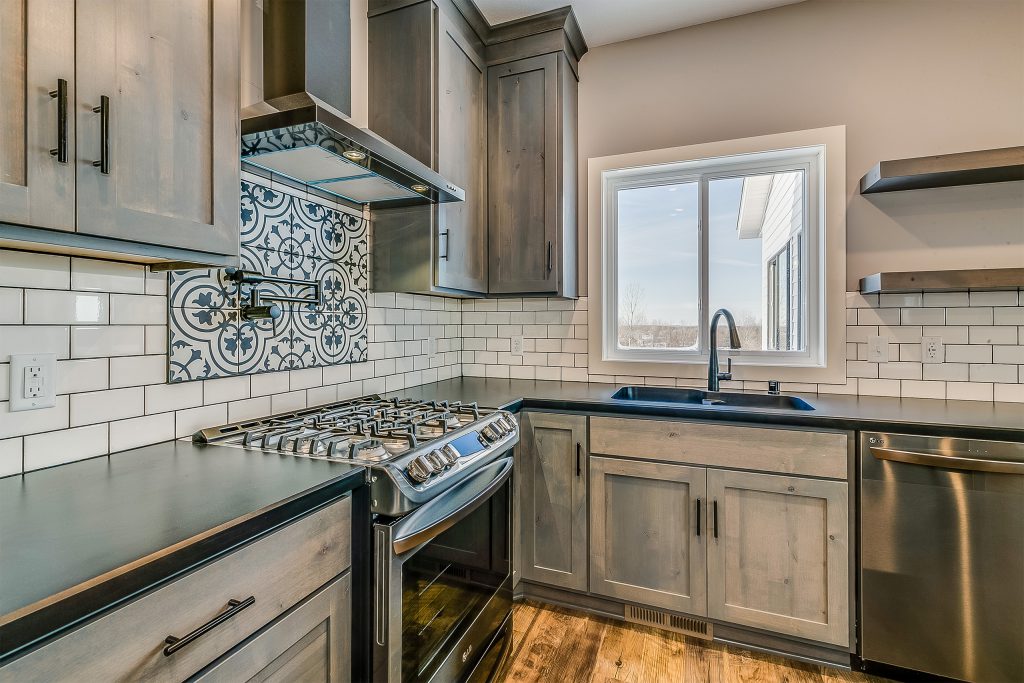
(821, 153)
(809, 160)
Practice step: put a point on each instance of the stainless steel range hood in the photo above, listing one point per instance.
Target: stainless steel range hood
(299, 130)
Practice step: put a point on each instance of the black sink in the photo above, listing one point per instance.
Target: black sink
(723, 399)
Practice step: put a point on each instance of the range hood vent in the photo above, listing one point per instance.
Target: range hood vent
(299, 131)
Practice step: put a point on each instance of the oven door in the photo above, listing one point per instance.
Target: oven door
(443, 580)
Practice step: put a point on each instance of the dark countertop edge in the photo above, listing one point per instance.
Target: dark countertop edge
(38, 624)
(764, 417)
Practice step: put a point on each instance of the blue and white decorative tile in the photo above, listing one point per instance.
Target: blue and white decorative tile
(207, 288)
(267, 217)
(202, 343)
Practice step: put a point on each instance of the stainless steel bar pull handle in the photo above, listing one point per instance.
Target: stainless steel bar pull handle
(61, 95)
(714, 512)
(549, 256)
(234, 607)
(104, 111)
(698, 516)
(447, 239)
(579, 450)
(954, 462)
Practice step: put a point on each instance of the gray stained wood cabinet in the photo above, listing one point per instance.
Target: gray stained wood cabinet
(780, 559)
(531, 141)
(647, 542)
(428, 96)
(312, 643)
(151, 133)
(553, 499)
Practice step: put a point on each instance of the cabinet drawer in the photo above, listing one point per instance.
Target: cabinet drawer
(789, 451)
(277, 571)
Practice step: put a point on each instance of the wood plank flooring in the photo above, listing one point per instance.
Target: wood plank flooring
(556, 645)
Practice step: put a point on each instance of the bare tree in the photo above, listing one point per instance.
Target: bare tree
(632, 314)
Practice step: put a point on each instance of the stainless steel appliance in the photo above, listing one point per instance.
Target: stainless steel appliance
(440, 488)
(942, 555)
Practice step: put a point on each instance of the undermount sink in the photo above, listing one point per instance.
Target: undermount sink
(723, 399)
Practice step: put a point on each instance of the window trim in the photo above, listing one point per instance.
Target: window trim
(808, 160)
(833, 195)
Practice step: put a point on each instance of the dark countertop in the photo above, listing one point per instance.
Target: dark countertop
(84, 537)
(969, 419)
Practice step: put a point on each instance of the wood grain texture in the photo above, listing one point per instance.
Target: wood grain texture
(788, 451)
(557, 644)
(279, 570)
(554, 499)
(644, 545)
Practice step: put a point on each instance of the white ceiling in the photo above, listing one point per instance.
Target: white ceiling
(609, 21)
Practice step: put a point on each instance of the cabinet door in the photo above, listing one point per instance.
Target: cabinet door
(523, 168)
(462, 158)
(170, 71)
(779, 559)
(647, 545)
(554, 499)
(37, 41)
(310, 644)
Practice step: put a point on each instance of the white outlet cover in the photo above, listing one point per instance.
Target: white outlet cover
(878, 349)
(932, 350)
(517, 345)
(46, 396)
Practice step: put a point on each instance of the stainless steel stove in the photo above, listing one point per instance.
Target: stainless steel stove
(415, 449)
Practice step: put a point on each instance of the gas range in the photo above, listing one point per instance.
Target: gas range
(414, 450)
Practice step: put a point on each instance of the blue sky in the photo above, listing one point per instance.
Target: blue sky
(658, 249)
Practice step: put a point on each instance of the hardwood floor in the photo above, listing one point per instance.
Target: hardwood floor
(557, 645)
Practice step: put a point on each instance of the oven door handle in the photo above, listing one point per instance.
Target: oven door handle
(442, 513)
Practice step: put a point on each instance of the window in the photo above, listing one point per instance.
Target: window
(741, 232)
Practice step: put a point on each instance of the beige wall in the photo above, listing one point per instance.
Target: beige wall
(907, 78)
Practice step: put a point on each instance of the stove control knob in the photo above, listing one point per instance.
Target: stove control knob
(418, 470)
(450, 454)
(488, 434)
(435, 461)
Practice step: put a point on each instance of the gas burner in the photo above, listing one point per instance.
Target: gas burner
(373, 450)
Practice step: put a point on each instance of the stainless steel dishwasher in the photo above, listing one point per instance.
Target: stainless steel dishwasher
(942, 555)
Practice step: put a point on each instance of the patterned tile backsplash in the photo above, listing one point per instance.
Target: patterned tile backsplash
(286, 236)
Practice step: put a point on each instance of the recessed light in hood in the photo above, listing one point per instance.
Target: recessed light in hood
(298, 130)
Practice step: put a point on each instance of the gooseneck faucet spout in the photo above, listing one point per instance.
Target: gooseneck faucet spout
(714, 376)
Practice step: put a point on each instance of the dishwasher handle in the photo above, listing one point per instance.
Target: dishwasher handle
(949, 461)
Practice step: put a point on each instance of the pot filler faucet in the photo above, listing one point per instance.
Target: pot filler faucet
(714, 376)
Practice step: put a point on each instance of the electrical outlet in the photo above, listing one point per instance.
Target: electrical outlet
(932, 350)
(33, 378)
(878, 349)
(517, 345)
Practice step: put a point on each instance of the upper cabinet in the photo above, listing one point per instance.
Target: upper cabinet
(428, 96)
(125, 138)
(494, 110)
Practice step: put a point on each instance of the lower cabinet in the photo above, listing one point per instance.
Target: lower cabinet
(779, 556)
(553, 499)
(310, 644)
(647, 543)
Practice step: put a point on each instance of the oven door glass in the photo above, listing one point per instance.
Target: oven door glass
(448, 582)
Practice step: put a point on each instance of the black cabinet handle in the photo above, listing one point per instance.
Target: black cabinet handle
(715, 517)
(579, 449)
(104, 111)
(698, 518)
(549, 256)
(234, 607)
(444, 234)
(61, 95)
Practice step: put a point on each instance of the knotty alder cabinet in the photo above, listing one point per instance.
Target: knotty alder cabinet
(121, 122)
(746, 525)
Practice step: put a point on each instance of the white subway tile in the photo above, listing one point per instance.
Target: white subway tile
(156, 283)
(949, 334)
(1001, 334)
(497, 371)
(55, 307)
(68, 445)
(225, 389)
(522, 372)
(878, 316)
(104, 406)
(156, 339)
(269, 383)
(975, 315)
(857, 300)
(25, 269)
(906, 300)
(962, 353)
(138, 309)
(319, 395)
(552, 373)
(878, 387)
(923, 316)
(945, 299)
(248, 409)
(161, 398)
(1007, 298)
(948, 372)
(348, 390)
(10, 457)
(5, 381)
(136, 371)
(857, 368)
(33, 421)
(918, 389)
(12, 306)
(108, 340)
(1011, 315)
(991, 372)
(968, 391)
(187, 422)
(88, 374)
(1008, 354)
(293, 400)
(899, 370)
(107, 276)
(141, 431)
(305, 378)
(1011, 393)
(33, 339)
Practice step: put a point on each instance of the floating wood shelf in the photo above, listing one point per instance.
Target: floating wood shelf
(945, 170)
(988, 279)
